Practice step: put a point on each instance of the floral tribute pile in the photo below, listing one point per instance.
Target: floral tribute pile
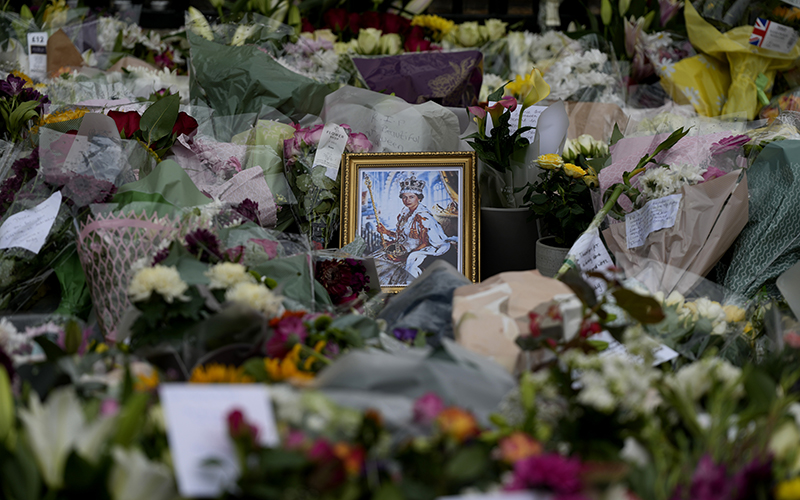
(173, 217)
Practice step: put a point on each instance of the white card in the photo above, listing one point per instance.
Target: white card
(330, 149)
(795, 3)
(656, 214)
(197, 430)
(773, 36)
(37, 55)
(662, 354)
(591, 255)
(29, 229)
(529, 119)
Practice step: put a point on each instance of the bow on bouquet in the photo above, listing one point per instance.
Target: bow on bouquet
(502, 148)
(158, 127)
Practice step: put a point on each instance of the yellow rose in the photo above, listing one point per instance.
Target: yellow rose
(788, 490)
(574, 171)
(591, 181)
(733, 313)
(550, 161)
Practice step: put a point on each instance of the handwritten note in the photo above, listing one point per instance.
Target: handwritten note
(330, 149)
(591, 255)
(197, 431)
(29, 229)
(661, 355)
(37, 55)
(655, 215)
(398, 132)
(529, 119)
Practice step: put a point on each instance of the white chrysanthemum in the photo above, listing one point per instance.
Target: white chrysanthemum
(10, 339)
(163, 280)
(658, 182)
(228, 274)
(257, 296)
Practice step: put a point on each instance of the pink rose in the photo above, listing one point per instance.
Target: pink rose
(427, 408)
(358, 143)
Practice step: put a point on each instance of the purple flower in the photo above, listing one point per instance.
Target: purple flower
(554, 472)
(342, 279)
(24, 169)
(159, 257)
(109, 407)
(289, 331)
(405, 334)
(710, 482)
(712, 173)
(83, 190)
(427, 408)
(291, 150)
(269, 246)
(729, 144)
(248, 209)
(12, 86)
(754, 477)
(203, 244)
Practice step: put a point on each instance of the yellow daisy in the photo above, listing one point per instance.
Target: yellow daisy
(215, 373)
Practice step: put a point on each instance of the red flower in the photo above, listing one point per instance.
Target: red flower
(335, 19)
(354, 21)
(370, 19)
(185, 124)
(307, 27)
(416, 40)
(127, 122)
(589, 329)
(534, 326)
(392, 23)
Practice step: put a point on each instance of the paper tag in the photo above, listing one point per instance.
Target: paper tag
(655, 215)
(197, 430)
(29, 229)
(661, 355)
(330, 149)
(529, 119)
(773, 36)
(591, 255)
(37, 55)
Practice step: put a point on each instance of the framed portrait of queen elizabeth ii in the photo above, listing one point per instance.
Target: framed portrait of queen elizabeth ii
(412, 209)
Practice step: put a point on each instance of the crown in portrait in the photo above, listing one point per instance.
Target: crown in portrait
(412, 185)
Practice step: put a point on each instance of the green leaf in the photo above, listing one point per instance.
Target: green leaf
(616, 135)
(760, 389)
(51, 350)
(131, 418)
(157, 121)
(388, 491)
(668, 143)
(72, 337)
(498, 94)
(583, 290)
(643, 309)
(19, 476)
(467, 464)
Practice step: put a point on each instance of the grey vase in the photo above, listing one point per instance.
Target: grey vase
(549, 257)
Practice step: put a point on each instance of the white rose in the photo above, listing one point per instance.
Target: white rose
(469, 34)
(325, 35)
(496, 29)
(391, 44)
(368, 39)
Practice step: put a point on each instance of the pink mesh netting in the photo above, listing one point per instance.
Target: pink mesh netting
(108, 246)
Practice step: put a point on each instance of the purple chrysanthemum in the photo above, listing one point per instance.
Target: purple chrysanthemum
(204, 245)
(248, 209)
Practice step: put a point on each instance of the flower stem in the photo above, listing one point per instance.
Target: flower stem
(569, 262)
(314, 354)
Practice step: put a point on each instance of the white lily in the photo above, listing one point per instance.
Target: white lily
(57, 427)
(134, 477)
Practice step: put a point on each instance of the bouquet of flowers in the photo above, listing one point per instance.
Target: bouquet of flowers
(20, 105)
(562, 198)
(315, 185)
(501, 145)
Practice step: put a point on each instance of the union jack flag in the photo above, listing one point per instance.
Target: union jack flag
(759, 31)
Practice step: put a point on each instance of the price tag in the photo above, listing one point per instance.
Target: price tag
(37, 55)
(773, 36)
(330, 149)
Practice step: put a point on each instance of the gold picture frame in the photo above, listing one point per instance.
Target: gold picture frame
(412, 209)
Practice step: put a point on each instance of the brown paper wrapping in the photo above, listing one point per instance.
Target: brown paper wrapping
(61, 53)
(489, 316)
(594, 118)
(677, 257)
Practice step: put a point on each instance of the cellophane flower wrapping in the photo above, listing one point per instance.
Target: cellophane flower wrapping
(316, 192)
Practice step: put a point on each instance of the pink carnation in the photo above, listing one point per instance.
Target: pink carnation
(427, 408)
